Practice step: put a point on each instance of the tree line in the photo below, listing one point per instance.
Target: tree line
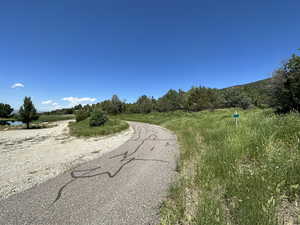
(282, 92)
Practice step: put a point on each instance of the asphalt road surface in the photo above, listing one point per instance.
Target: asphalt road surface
(124, 186)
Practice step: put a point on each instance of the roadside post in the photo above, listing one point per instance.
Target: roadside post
(236, 116)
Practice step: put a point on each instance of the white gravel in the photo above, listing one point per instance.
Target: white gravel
(30, 157)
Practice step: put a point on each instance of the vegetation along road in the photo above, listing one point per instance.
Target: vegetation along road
(124, 186)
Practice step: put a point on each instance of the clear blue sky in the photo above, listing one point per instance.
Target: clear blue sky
(73, 48)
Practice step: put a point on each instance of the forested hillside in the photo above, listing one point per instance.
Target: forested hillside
(258, 91)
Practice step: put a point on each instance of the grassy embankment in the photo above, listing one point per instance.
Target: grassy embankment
(245, 175)
(82, 128)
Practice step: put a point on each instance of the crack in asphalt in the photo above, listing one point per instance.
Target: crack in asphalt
(125, 158)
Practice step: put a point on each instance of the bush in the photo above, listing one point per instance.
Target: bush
(81, 115)
(98, 118)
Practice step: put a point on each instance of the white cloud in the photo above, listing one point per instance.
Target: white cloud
(17, 85)
(47, 102)
(56, 105)
(52, 105)
(75, 101)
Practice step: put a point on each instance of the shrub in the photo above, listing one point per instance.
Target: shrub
(98, 118)
(81, 115)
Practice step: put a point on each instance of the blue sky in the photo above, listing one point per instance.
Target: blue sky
(86, 51)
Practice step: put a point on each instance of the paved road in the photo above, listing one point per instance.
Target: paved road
(124, 186)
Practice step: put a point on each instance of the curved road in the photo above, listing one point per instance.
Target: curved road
(124, 186)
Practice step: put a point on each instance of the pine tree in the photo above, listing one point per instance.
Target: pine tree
(27, 112)
(5, 110)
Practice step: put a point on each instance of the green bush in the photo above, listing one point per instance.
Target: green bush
(98, 118)
(81, 115)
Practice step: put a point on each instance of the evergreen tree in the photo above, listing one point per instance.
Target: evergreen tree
(27, 112)
(201, 98)
(5, 110)
(171, 101)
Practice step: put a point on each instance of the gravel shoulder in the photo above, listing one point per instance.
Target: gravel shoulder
(30, 157)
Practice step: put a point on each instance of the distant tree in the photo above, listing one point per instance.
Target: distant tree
(5, 110)
(201, 98)
(286, 86)
(132, 108)
(78, 107)
(69, 111)
(116, 106)
(154, 104)
(27, 112)
(233, 97)
(113, 106)
(87, 108)
(171, 101)
(182, 99)
(81, 115)
(105, 105)
(144, 104)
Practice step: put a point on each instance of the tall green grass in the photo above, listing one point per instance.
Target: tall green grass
(83, 128)
(232, 175)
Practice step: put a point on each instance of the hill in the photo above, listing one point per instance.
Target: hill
(258, 91)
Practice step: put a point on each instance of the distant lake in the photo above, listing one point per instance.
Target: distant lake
(11, 123)
(15, 123)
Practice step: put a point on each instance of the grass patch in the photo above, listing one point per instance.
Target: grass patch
(228, 174)
(83, 129)
(53, 118)
(7, 119)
